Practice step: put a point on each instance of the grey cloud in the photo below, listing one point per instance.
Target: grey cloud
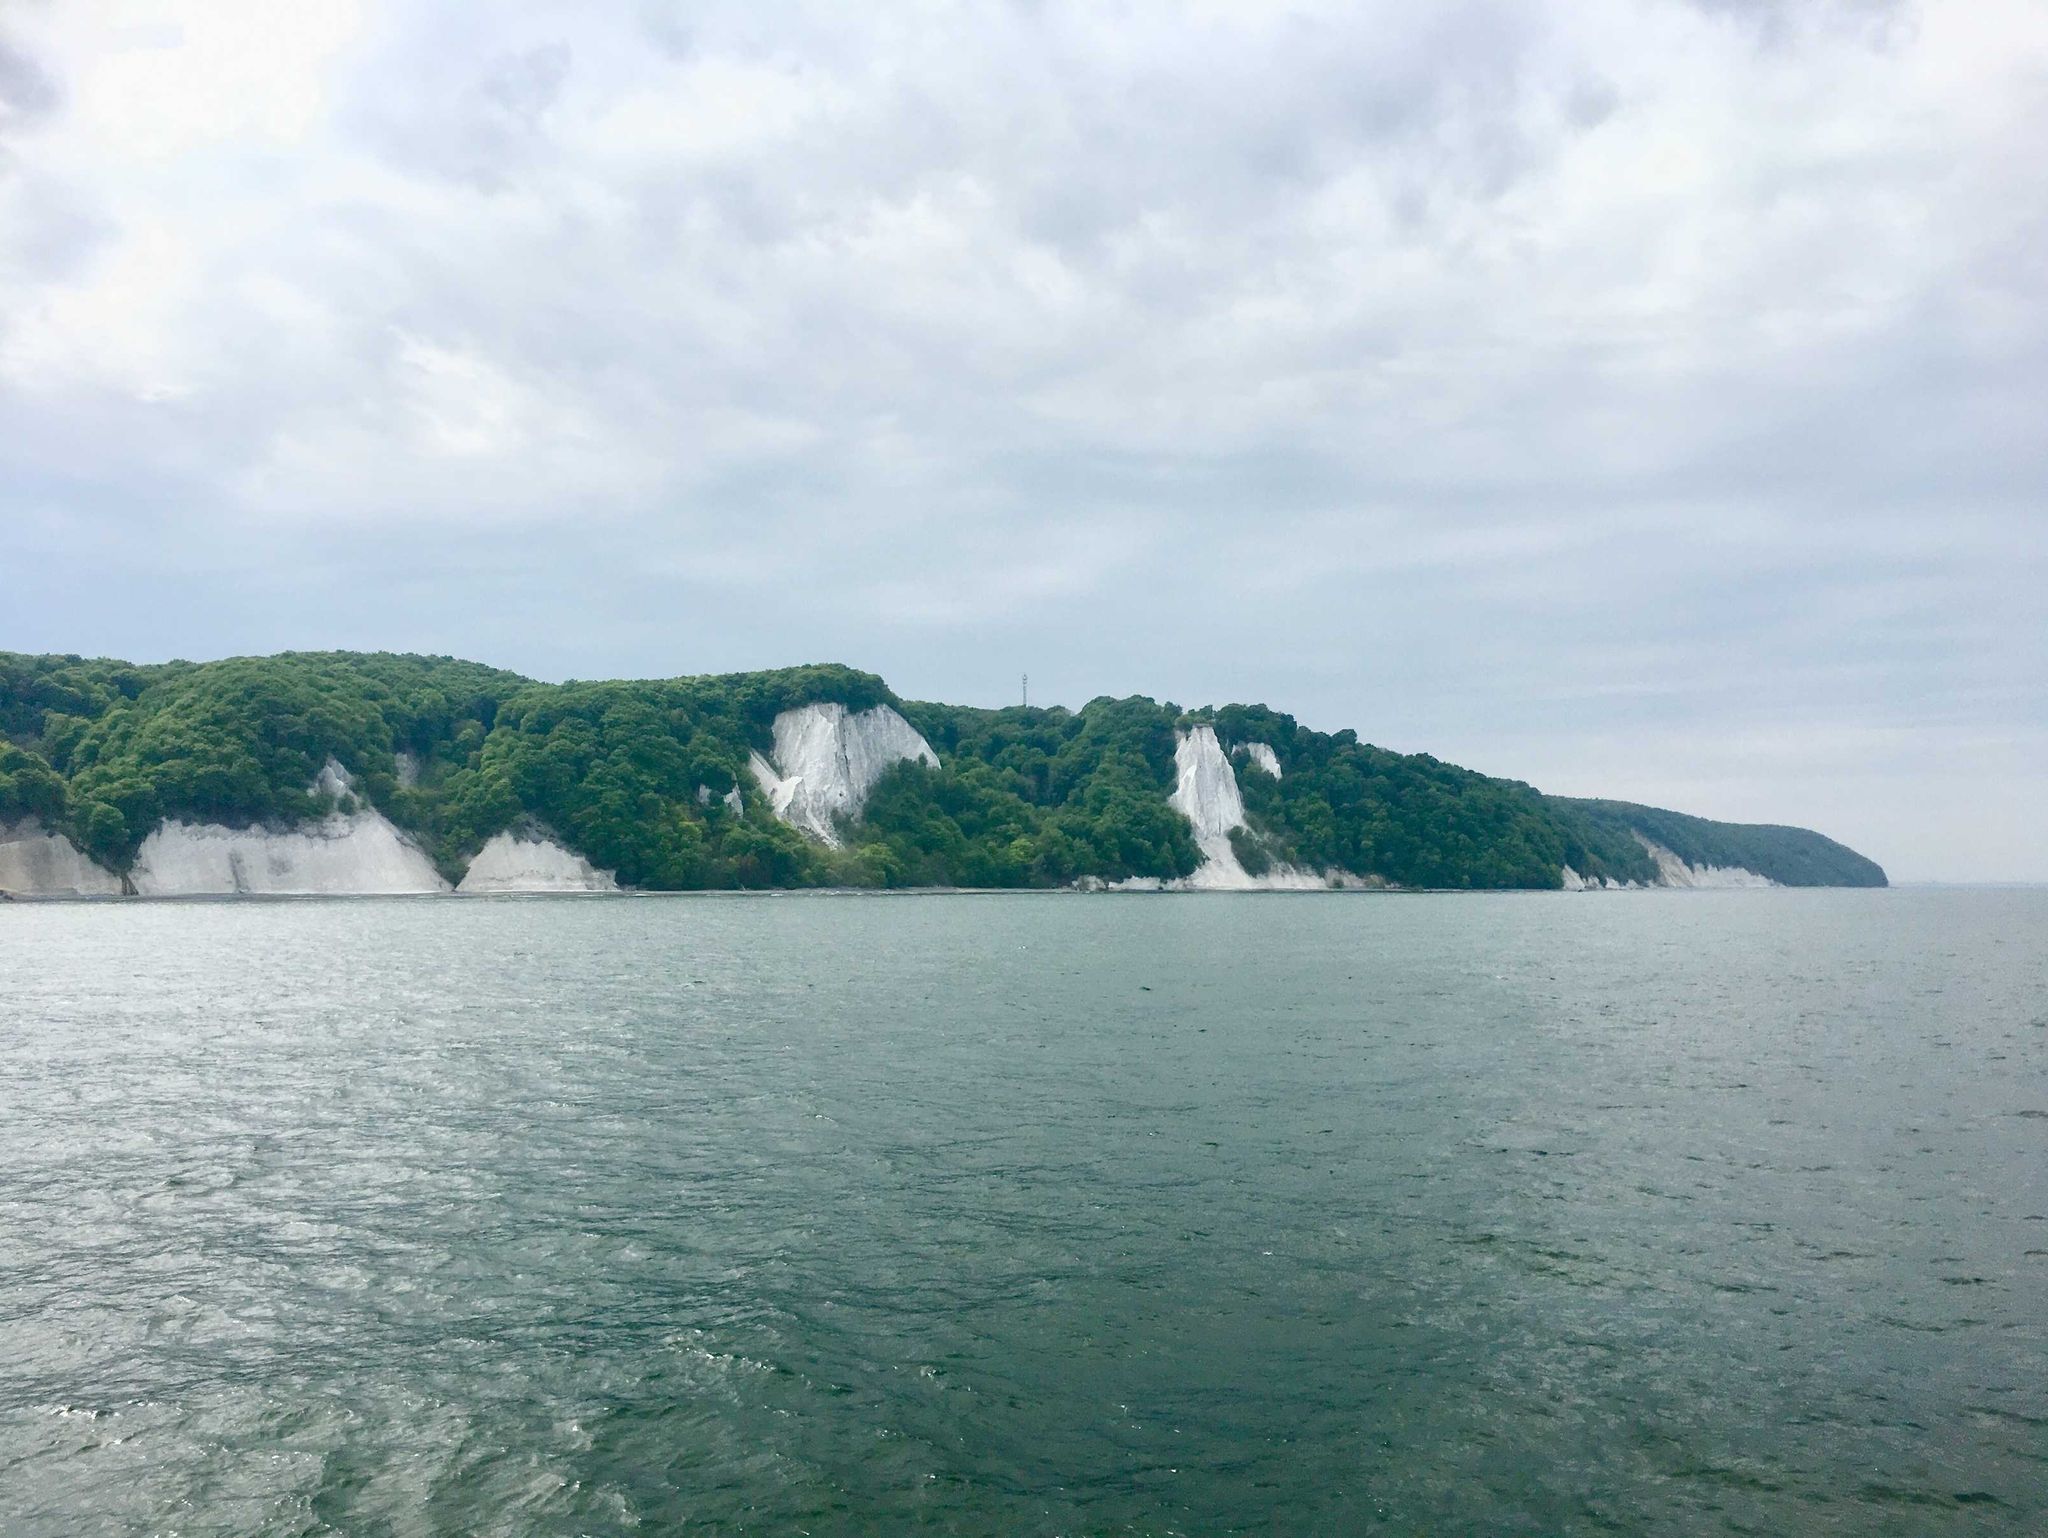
(26, 91)
(1591, 102)
(53, 232)
(443, 111)
(526, 84)
(1778, 21)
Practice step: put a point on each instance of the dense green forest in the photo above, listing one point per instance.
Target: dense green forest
(634, 775)
(1789, 856)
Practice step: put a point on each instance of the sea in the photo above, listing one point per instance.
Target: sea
(1647, 1213)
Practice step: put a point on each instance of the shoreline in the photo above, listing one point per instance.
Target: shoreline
(132, 899)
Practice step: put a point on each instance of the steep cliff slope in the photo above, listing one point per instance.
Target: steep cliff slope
(827, 759)
(345, 852)
(1206, 793)
(354, 855)
(37, 863)
(1693, 851)
(531, 862)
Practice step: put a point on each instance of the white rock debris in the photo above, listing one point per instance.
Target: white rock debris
(35, 862)
(531, 862)
(828, 758)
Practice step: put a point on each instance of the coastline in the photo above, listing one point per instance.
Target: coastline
(634, 894)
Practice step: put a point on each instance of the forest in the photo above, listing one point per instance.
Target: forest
(634, 774)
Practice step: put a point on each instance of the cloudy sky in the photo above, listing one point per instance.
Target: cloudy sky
(1645, 399)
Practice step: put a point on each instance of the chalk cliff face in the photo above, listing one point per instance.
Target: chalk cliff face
(828, 758)
(1205, 788)
(1205, 792)
(355, 853)
(1262, 754)
(531, 863)
(1672, 871)
(38, 863)
(339, 854)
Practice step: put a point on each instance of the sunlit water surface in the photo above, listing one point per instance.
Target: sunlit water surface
(1672, 1213)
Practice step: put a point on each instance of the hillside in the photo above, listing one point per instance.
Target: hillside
(798, 777)
(1788, 856)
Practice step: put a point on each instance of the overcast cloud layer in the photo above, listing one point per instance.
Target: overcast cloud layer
(1638, 399)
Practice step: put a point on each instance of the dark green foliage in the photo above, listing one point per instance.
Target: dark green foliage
(1098, 780)
(1789, 856)
(1409, 818)
(616, 769)
(1251, 851)
(634, 775)
(34, 689)
(240, 741)
(1057, 794)
(943, 827)
(29, 788)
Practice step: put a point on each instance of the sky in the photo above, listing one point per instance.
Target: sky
(1643, 398)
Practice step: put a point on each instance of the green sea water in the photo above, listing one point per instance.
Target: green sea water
(1665, 1213)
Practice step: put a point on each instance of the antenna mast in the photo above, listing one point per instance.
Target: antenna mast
(1027, 691)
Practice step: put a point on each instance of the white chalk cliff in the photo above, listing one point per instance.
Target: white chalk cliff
(1262, 754)
(530, 862)
(731, 799)
(37, 863)
(1205, 792)
(1672, 871)
(358, 852)
(828, 758)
